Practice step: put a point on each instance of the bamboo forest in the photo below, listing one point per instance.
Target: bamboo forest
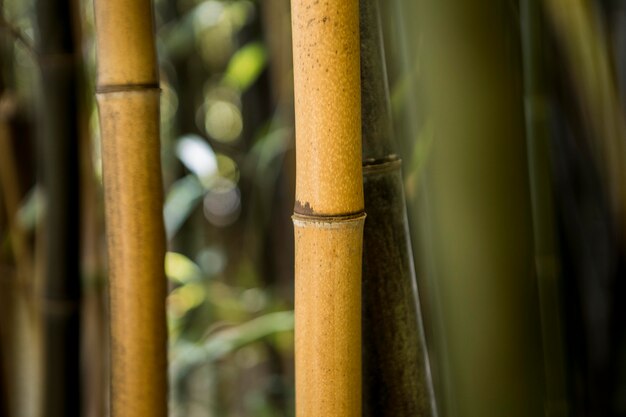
(312, 208)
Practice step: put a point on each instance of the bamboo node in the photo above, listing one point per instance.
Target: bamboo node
(112, 88)
(379, 165)
(329, 222)
(305, 208)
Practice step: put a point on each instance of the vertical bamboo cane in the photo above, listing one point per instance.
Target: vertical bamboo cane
(547, 259)
(59, 142)
(20, 326)
(396, 370)
(581, 38)
(128, 103)
(329, 214)
(475, 190)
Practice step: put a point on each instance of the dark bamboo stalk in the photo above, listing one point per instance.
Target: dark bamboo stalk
(60, 178)
(547, 259)
(579, 34)
(5, 392)
(396, 372)
(591, 197)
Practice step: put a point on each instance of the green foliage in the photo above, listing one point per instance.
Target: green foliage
(246, 65)
(183, 197)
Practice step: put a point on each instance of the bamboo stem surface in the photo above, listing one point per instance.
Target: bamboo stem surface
(128, 102)
(475, 190)
(328, 107)
(329, 214)
(396, 369)
(546, 248)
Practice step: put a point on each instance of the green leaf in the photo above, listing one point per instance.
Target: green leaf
(246, 65)
(181, 269)
(231, 339)
(183, 197)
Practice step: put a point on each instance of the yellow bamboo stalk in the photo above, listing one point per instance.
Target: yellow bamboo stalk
(128, 103)
(328, 216)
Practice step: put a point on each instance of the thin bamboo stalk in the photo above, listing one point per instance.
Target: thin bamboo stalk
(329, 214)
(20, 331)
(396, 370)
(9, 172)
(60, 179)
(11, 192)
(547, 259)
(94, 300)
(128, 103)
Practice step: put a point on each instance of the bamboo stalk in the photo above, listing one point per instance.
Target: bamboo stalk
(476, 192)
(396, 374)
(128, 103)
(60, 179)
(579, 34)
(9, 172)
(94, 312)
(328, 216)
(19, 324)
(11, 193)
(547, 259)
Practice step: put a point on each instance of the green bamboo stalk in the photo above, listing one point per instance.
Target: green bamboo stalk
(396, 372)
(476, 192)
(60, 178)
(547, 260)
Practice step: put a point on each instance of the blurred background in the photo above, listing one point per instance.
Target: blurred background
(508, 116)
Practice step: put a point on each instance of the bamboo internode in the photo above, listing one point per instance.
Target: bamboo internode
(125, 44)
(328, 107)
(329, 214)
(328, 316)
(128, 102)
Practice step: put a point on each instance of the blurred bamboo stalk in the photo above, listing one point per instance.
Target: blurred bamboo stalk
(547, 259)
(20, 332)
(128, 103)
(11, 193)
(60, 179)
(328, 216)
(578, 32)
(479, 231)
(9, 173)
(396, 374)
(94, 311)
